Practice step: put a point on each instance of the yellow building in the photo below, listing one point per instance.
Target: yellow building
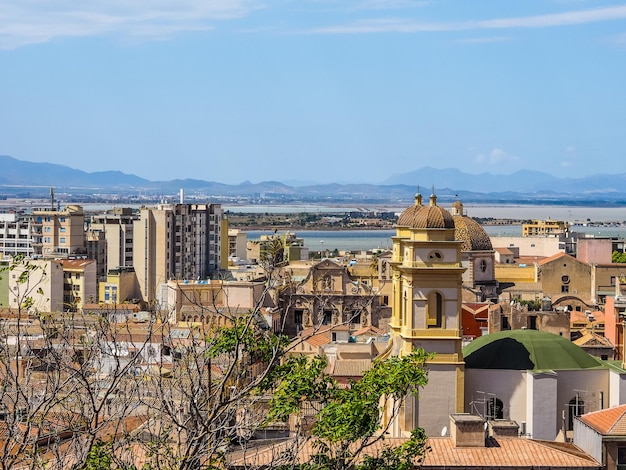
(59, 232)
(543, 227)
(427, 278)
(79, 283)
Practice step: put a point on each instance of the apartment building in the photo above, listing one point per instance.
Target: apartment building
(58, 232)
(15, 235)
(176, 241)
(110, 240)
(543, 228)
(39, 291)
(79, 283)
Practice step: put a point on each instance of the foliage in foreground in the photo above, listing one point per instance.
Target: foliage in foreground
(347, 422)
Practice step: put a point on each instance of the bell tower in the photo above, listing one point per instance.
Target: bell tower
(426, 298)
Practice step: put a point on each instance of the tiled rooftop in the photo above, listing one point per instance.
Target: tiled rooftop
(609, 422)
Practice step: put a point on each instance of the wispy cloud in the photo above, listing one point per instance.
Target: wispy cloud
(402, 25)
(35, 21)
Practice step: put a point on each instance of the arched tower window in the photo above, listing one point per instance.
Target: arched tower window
(434, 310)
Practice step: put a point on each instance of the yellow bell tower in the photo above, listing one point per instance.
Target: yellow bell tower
(426, 298)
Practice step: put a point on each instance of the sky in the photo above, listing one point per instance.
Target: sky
(314, 90)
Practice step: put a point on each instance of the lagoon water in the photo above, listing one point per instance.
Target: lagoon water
(350, 240)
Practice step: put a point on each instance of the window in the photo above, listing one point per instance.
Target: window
(621, 458)
(62, 229)
(565, 279)
(576, 408)
(327, 318)
(495, 408)
(434, 310)
(62, 240)
(297, 317)
(435, 256)
(504, 323)
(564, 289)
(483, 266)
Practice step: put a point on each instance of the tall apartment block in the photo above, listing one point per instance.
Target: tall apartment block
(58, 232)
(176, 241)
(110, 236)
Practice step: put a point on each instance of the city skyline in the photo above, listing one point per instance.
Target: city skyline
(315, 90)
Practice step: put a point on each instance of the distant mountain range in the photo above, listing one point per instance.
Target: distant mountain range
(533, 187)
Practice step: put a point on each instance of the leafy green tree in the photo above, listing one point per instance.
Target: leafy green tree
(349, 421)
(618, 257)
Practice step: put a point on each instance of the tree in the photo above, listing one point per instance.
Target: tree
(349, 421)
(93, 390)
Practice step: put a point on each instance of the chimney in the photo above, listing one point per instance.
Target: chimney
(503, 428)
(467, 430)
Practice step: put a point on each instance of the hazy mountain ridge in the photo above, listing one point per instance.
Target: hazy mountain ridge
(521, 186)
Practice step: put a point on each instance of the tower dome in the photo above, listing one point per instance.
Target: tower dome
(419, 216)
(469, 231)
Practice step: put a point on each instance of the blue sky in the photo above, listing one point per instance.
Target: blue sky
(314, 90)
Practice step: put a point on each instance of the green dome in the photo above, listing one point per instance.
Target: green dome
(526, 350)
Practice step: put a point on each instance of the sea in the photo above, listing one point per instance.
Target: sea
(593, 221)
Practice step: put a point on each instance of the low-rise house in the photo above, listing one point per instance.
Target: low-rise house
(602, 434)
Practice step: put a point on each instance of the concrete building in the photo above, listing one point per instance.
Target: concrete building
(79, 283)
(59, 232)
(237, 240)
(530, 246)
(115, 227)
(16, 235)
(176, 241)
(544, 227)
(43, 286)
(213, 301)
(120, 286)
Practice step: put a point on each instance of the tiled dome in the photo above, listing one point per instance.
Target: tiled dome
(472, 235)
(425, 217)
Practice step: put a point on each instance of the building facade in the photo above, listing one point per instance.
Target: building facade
(427, 278)
(176, 241)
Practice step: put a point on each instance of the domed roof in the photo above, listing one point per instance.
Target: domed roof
(526, 350)
(425, 217)
(469, 231)
(472, 235)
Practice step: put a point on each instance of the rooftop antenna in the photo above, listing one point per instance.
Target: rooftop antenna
(52, 197)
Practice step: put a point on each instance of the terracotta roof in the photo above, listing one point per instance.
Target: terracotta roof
(351, 367)
(507, 452)
(368, 329)
(500, 453)
(609, 422)
(503, 251)
(557, 256)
